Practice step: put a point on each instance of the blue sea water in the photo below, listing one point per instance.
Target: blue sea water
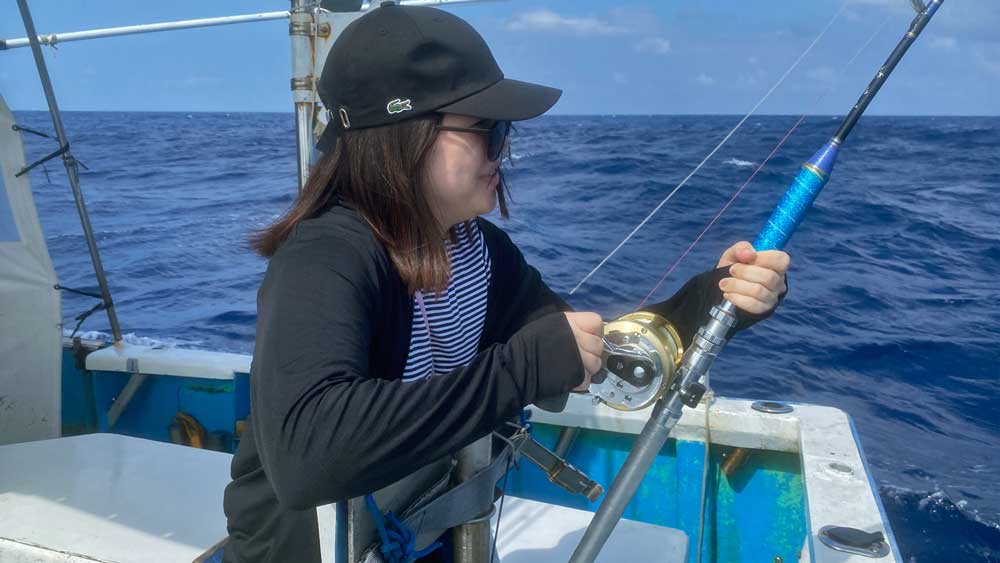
(892, 313)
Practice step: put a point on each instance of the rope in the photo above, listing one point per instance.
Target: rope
(78, 291)
(17, 127)
(715, 150)
(760, 167)
(523, 420)
(61, 150)
(83, 316)
(398, 542)
(503, 495)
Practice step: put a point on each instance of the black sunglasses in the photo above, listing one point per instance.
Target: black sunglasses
(496, 132)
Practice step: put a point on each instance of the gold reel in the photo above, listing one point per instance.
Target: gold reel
(642, 354)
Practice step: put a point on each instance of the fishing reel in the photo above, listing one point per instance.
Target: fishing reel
(642, 352)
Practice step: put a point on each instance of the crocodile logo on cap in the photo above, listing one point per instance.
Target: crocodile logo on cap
(398, 106)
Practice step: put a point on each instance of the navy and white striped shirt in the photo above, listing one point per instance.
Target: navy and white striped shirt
(446, 329)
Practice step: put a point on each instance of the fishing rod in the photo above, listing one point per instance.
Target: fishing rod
(639, 369)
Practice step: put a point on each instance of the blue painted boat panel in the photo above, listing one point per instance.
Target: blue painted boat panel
(152, 409)
(78, 414)
(755, 516)
(87, 395)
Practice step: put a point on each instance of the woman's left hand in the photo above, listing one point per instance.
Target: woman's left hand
(758, 278)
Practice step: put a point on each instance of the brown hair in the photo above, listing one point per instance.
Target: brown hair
(380, 171)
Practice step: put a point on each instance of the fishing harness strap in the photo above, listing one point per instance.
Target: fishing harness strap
(414, 534)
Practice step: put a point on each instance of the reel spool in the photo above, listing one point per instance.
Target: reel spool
(642, 352)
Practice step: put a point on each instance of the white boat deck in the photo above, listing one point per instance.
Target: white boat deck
(105, 497)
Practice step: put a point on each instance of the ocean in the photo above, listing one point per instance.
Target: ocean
(892, 313)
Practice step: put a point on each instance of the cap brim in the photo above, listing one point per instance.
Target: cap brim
(508, 100)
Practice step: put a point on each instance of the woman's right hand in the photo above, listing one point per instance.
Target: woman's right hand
(588, 329)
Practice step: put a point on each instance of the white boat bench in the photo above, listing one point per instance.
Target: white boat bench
(107, 497)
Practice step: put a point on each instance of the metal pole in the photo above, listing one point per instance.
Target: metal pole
(70, 163)
(565, 440)
(368, 5)
(54, 38)
(472, 539)
(302, 29)
(124, 397)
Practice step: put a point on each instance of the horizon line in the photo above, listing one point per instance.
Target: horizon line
(544, 115)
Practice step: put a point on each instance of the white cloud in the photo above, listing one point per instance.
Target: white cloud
(705, 79)
(638, 20)
(823, 74)
(944, 43)
(654, 45)
(547, 20)
(852, 16)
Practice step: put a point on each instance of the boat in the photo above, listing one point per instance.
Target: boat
(120, 451)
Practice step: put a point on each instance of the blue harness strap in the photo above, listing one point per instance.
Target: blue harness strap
(398, 542)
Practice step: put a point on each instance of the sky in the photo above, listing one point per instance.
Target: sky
(625, 57)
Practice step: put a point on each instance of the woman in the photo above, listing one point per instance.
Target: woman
(395, 325)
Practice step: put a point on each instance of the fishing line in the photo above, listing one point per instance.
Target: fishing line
(706, 461)
(761, 165)
(716, 149)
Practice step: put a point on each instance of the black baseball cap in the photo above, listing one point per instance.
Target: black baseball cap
(399, 62)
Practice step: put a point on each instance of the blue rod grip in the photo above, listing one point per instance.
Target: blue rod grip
(786, 217)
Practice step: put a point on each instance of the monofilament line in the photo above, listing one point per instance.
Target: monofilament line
(715, 150)
(760, 167)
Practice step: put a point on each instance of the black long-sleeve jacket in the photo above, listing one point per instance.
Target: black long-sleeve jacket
(330, 418)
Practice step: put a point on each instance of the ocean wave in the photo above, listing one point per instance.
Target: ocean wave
(740, 163)
(134, 339)
(959, 533)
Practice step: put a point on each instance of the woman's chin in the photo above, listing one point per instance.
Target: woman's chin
(490, 205)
